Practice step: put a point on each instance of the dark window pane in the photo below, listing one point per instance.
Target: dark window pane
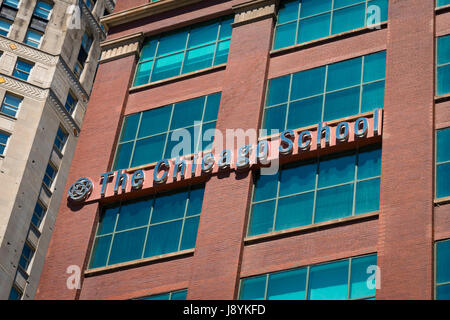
(278, 90)
(297, 178)
(314, 28)
(288, 11)
(304, 113)
(172, 43)
(443, 145)
(127, 246)
(275, 119)
(336, 170)
(374, 66)
(443, 79)
(180, 295)
(443, 180)
(155, 121)
(367, 196)
(373, 96)
(108, 220)
(123, 156)
(266, 187)
(344, 74)
(203, 35)
(212, 107)
(130, 127)
(359, 277)
(148, 150)
(348, 19)
(189, 233)
(101, 250)
(195, 201)
(308, 83)
(134, 214)
(443, 261)
(169, 206)
(443, 292)
(285, 35)
(186, 113)
(369, 163)
(341, 104)
(163, 238)
(310, 7)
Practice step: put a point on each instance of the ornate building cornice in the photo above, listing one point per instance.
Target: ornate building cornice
(254, 10)
(121, 47)
(27, 52)
(60, 109)
(23, 88)
(92, 21)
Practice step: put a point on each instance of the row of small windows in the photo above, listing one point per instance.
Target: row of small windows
(300, 21)
(326, 93)
(346, 279)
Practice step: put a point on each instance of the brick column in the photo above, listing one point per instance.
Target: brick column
(223, 221)
(70, 243)
(405, 245)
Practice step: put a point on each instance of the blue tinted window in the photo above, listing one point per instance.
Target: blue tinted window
(3, 141)
(314, 191)
(5, 26)
(443, 65)
(43, 10)
(146, 135)
(443, 270)
(443, 163)
(10, 104)
(22, 69)
(327, 281)
(184, 51)
(300, 21)
(33, 38)
(440, 3)
(302, 99)
(148, 227)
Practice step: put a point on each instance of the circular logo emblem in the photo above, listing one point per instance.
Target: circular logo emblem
(81, 189)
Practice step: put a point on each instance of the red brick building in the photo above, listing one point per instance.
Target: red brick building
(367, 189)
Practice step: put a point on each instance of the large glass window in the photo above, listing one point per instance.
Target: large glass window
(314, 191)
(175, 295)
(443, 163)
(340, 280)
(60, 139)
(184, 51)
(71, 102)
(43, 10)
(10, 104)
(22, 69)
(149, 227)
(443, 270)
(301, 21)
(443, 65)
(26, 256)
(33, 38)
(150, 136)
(326, 93)
(5, 26)
(49, 176)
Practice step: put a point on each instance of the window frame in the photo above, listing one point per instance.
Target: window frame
(27, 38)
(40, 219)
(447, 64)
(435, 284)
(16, 70)
(50, 12)
(5, 146)
(437, 164)
(72, 107)
(52, 179)
(11, 107)
(29, 260)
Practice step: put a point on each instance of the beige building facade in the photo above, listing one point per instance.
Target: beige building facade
(49, 57)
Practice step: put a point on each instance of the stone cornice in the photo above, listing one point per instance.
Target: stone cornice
(144, 11)
(254, 10)
(22, 87)
(27, 52)
(72, 78)
(92, 21)
(121, 47)
(60, 109)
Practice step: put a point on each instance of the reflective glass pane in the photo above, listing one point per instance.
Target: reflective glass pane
(367, 196)
(343, 3)
(344, 74)
(348, 18)
(372, 96)
(275, 118)
(369, 163)
(127, 246)
(297, 178)
(182, 142)
(130, 127)
(443, 180)
(359, 279)
(443, 292)
(123, 156)
(374, 66)
(148, 150)
(443, 145)
(334, 203)
(328, 281)
(278, 90)
(134, 214)
(199, 58)
(189, 233)
(253, 288)
(195, 201)
(169, 206)
(167, 67)
(163, 238)
(187, 112)
(101, 251)
(157, 297)
(212, 107)
(443, 79)
(443, 261)
(288, 11)
(262, 218)
(341, 104)
(180, 295)
(336, 170)
(310, 7)
(266, 187)
(172, 43)
(108, 220)
(305, 112)
(203, 35)
(287, 285)
(308, 83)
(314, 28)
(372, 11)
(442, 2)
(226, 29)
(207, 136)
(285, 35)
(155, 121)
(294, 211)
(143, 73)
(222, 52)
(149, 50)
